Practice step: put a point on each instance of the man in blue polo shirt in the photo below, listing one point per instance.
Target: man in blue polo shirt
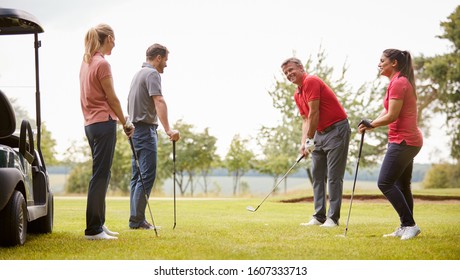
(145, 106)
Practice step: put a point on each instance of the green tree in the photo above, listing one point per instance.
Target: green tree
(238, 160)
(121, 165)
(438, 83)
(185, 160)
(195, 154)
(164, 161)
(279, 148)
(79, 177)
(207, 156)
(443, 175)
(48, 147)
(78, 158)
(48, 143)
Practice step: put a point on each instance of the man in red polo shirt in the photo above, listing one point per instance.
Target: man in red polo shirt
(325, 135)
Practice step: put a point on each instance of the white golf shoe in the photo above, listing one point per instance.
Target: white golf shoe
(329, 223)
(410, 232)
(108, 231)
(397, 233)
(312, 222)
(100, 236)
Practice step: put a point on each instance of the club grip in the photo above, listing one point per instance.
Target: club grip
(300, 158)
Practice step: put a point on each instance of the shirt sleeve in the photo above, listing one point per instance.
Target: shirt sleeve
(154, 84)
(104, 70)
(312, 90)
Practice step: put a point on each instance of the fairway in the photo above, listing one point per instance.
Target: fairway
(222, 229)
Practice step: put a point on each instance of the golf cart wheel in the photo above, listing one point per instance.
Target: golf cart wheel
(13, 221)
(45, 223)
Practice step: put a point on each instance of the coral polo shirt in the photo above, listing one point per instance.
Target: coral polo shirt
(93, 100)
(330, 109)
(405, 126)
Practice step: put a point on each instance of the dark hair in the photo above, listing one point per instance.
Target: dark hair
(404, 66)
(156, 50)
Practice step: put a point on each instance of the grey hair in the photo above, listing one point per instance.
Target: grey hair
(292, 60)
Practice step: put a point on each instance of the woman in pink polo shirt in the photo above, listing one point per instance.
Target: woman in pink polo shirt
(404, 138)
(101, 111)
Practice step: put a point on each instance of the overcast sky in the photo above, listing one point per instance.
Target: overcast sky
(224, 55)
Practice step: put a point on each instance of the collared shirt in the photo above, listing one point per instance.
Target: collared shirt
(330, 110)
(405, 126)
(93, 99)
(145, 84)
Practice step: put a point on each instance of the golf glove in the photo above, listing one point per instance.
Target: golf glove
(309, 145)
(128, 124)
(366, 123)
(128, 128)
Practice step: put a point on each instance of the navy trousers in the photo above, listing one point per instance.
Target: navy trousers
(395, 180)
(102, 138)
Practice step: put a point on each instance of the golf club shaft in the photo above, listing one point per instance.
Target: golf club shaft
(174, 180)
(354, 182)
(285, 175)
(136, 159)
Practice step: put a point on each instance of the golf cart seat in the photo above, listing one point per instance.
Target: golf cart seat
(25, 143)
(7, 118)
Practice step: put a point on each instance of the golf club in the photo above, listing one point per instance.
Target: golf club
(252, 209)
(142, 182)
(174, 179)
(367, 124)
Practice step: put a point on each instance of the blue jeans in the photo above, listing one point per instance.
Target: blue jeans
(145, 140)
(329, 160)
(102, 138)
(395, 180)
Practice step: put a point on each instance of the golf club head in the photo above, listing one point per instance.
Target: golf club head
(344, 234)
(250, 208)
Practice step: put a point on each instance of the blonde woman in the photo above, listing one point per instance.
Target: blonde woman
(101, 111)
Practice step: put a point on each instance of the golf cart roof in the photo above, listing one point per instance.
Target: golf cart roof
(14, 21)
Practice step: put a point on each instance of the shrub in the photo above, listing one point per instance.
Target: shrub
(441, 176)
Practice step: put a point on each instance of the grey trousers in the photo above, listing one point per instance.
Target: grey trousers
(329, 160)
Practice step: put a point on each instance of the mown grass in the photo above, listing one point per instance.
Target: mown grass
(222, 229)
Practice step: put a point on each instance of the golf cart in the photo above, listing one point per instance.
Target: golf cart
(26, 201)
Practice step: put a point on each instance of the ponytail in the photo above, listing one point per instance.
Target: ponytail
(404, 66)
(94, 40)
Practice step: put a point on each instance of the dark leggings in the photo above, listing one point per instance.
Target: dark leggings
(395, 180)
